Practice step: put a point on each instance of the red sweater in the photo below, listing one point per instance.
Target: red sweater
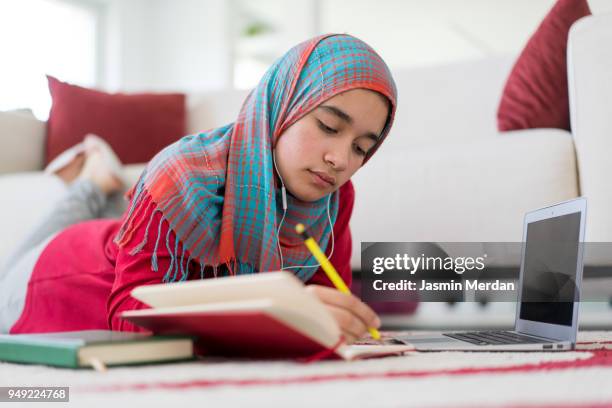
(82, 279)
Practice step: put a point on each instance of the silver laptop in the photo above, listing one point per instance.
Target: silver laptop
(545, 319)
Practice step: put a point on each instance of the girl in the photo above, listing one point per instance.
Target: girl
(226, 201)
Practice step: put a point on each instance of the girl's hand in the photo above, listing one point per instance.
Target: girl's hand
(353, 316)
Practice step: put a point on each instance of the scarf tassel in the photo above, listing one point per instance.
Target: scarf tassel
(141, 204)
(122, 236)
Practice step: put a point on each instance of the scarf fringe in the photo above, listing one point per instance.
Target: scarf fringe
(142, 243)
(141, 204)
(121, 239)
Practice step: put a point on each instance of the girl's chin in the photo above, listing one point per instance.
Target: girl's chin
(308, 191)
(308, 194)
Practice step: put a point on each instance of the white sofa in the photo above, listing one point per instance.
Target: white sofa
(445, 173)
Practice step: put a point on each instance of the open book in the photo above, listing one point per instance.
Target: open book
(260, 315)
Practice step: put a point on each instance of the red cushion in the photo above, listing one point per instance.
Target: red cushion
(535, 95)
(136, 126)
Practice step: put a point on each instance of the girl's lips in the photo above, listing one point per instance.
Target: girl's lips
(322, 179)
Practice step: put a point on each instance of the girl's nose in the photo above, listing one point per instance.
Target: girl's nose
(337, 158)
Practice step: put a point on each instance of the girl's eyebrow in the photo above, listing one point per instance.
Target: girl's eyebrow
(346, 118)
(338, 112)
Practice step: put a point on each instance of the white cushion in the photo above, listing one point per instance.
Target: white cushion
(460, 192)
(22, 140)
(26, 199)
(132, 172)
(435, 104)
(590, 88)
(426, 94)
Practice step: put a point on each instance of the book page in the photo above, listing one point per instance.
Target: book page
(360, 351)
(260, 285)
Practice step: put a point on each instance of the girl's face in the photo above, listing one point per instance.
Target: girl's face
(321, 151)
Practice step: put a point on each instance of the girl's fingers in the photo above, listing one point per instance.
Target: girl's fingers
(351, 327)
(359, 310)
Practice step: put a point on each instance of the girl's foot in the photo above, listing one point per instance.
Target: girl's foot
(67, 166)
(93, 142)
(97, 170)
(69, 172)
(94, 160)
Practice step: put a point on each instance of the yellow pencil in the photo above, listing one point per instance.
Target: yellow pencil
(329, 269)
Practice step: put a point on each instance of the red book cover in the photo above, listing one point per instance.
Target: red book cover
(247, 334)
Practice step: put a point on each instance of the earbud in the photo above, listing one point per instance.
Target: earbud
(284, 193)
(283, 189)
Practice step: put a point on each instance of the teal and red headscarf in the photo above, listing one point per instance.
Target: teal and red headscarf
(217, 189)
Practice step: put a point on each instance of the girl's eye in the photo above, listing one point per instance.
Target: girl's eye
(359, 150)
(326, 128)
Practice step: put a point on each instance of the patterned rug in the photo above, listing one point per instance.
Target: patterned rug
(580, 378)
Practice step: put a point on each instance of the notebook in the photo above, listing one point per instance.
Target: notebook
(93, 348)
(265, 315)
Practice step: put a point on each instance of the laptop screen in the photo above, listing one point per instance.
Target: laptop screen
(549, 276)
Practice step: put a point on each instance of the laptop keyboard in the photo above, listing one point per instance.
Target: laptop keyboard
(487, 338)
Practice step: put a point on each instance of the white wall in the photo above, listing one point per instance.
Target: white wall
(411, 33)
(186, 45)
(161, 45)
(45, 37)
(290, 23)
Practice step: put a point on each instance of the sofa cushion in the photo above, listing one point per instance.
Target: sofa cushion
(26, 199)
(589, 68)
(22, 140)
(535, 95)
(467, 191)
(136, 126)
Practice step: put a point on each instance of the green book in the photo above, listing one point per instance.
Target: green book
(94, 348)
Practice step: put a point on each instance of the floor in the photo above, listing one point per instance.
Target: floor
(580, 378)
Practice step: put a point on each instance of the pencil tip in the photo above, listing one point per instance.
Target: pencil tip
(299, 228)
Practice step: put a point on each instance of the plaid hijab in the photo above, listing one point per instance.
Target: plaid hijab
(217, 189)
